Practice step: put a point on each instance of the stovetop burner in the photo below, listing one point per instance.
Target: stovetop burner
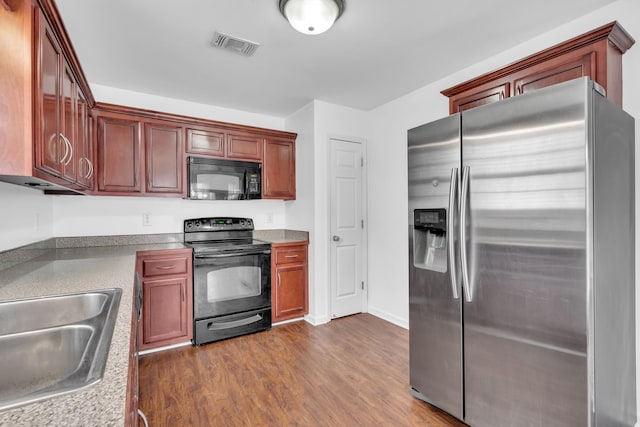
(219, 235)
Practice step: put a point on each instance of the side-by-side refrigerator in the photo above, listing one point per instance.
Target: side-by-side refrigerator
(521, 261)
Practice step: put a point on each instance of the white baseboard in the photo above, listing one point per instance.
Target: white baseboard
(403, 323)
(167, 347)
(284, 322)
(317, 320)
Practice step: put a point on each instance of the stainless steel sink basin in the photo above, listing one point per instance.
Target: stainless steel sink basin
(40, 313)
(54, 345)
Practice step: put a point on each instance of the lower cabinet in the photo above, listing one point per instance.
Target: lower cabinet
(133, 399)
(167, 305)
(289, 281)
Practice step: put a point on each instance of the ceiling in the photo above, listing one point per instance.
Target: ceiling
(377, 51)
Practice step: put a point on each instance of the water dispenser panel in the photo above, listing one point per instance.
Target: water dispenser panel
(431, 219)
(430, 239)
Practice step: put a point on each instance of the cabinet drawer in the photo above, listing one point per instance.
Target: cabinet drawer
(293, 255)
(163, 266)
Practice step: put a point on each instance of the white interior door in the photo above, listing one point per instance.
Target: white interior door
(347, 224)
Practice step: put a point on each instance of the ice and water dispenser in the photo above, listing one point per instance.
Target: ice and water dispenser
(430, 239)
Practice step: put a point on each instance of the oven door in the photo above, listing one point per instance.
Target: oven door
(231, 283)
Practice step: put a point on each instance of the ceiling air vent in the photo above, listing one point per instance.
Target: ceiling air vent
(234, 44)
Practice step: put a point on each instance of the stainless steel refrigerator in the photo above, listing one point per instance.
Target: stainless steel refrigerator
(521, 261)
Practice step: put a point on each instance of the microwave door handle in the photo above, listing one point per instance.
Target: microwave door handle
(246, 186)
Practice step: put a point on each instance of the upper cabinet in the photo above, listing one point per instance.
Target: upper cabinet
(119, 148)
(46, 133)
(164, 157)
(61, 126)
(244, 146)
(279, 168)
(137, 155)
(596, 54)
(207, 141)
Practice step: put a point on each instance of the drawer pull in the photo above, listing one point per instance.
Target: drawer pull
(291, 256)
(166, 267)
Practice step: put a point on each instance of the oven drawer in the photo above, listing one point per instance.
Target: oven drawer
(289, 255)
(222, 327)
(164, 266)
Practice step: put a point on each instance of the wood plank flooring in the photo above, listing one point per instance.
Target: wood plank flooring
(352, 371)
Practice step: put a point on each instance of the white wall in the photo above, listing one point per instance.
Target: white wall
(186, 108)
(331, 121)
(316, 123)
(26, 216)
(106, 215)
(299, 214)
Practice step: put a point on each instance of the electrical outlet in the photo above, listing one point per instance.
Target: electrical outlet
(37, 222)
(269, 218)
(146, 219)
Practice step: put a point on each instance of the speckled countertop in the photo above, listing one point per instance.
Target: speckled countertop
(72, 270)
(281, 236)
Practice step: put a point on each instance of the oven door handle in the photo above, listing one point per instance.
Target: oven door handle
(213, 326)
(230, 254)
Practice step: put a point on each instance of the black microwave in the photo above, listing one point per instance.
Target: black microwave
(221, 179)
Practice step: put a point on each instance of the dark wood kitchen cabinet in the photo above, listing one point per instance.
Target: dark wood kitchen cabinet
(44, 94)
(596, 54)
(164, 148)
(244, 146)
(62, 145)
(138, 155)
(289, 281)
(279, 169)
(167, 306)
(207, 141)
(119, 148)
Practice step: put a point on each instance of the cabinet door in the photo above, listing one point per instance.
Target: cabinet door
(558, 71)
(118, 154)
(246, 146)
(83, 143)
(279, 169)
(478, 96)
(206, 141)
(290, 291)
(49, 145)
(164, 312)
(68, 128)
(164, 148)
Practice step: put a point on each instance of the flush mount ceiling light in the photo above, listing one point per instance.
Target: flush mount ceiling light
(311, 16)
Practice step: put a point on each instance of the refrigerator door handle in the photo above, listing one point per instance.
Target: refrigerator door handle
(463, 234)
(453, 190)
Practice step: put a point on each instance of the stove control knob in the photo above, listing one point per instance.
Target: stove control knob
(188, 225)
(197, 224)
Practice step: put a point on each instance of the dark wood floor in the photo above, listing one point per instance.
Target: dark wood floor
(352, 371)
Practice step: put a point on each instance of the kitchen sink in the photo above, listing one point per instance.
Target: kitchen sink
(54, 345)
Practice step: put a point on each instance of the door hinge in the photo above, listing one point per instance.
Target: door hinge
(362, 223)
(362, 285)
(362, 161)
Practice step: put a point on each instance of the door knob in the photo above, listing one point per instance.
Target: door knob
(336, 238)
